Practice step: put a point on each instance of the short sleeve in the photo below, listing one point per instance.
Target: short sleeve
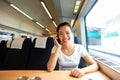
(53, 49)
(83, 51)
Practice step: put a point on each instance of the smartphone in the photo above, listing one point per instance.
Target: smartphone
(58, 41)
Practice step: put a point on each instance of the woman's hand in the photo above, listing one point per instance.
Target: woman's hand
(77, 72)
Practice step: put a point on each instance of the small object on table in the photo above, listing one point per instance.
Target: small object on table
(23, 78)
(36, 78)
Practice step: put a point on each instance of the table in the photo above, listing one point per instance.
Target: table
(45, 75)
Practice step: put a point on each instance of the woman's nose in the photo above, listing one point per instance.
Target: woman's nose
(64, 35)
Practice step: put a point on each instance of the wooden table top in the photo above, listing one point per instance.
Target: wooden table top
(45, 75)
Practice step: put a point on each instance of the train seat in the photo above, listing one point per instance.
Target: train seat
(3, 51)
(40, 53)
(17, 55)
(76, 40)
(8, 44)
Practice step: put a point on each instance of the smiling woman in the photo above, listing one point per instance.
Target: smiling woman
(29, 19)
(69, 54)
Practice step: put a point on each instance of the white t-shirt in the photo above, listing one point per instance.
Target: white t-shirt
(70, 62)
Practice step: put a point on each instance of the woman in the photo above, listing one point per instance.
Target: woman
(68, 54)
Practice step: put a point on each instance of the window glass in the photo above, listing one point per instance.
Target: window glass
(6, 36)
(103, 28)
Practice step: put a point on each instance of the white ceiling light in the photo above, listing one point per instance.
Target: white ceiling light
(78, 2)
(40, 25)
(77, 6)
(46, 9)
(72, 21)
(47, 29)
(21, 11)
(32, 18)
(44, 6)
(54, 23)
(27, 16)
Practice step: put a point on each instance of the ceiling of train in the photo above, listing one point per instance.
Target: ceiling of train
(61, 10)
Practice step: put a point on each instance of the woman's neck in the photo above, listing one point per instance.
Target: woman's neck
(68, 49)
(68, 46)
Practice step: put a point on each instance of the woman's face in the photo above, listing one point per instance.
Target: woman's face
(65, 34)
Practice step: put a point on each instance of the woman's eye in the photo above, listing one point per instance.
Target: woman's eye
(67, 32)
(60, 34)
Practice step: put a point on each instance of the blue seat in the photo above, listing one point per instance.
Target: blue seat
(17, 55)
(76, 40)
(40, 53)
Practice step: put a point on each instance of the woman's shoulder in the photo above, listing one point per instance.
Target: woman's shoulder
(78, 45)
(81, 49)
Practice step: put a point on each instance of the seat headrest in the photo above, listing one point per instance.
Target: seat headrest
(8, 43)
(41, 42)
(76, 40)
(17, 43)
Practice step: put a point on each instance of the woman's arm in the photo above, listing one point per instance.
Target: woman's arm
(91, 68)
(54, 56)
(53, 60)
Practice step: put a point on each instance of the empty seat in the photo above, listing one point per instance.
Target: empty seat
(3, 51)
(17, 55)
(40, 53)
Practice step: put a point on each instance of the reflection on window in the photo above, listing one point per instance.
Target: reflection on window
(103, 27)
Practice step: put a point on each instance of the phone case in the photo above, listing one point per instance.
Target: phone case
(58, 41)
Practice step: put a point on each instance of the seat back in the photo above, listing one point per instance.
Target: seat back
(8, 44)
(76, 40)
(40, 53)
(3, 51)
(17, 55)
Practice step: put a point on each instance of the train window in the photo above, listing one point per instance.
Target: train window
(6, 36)
(103, 29)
